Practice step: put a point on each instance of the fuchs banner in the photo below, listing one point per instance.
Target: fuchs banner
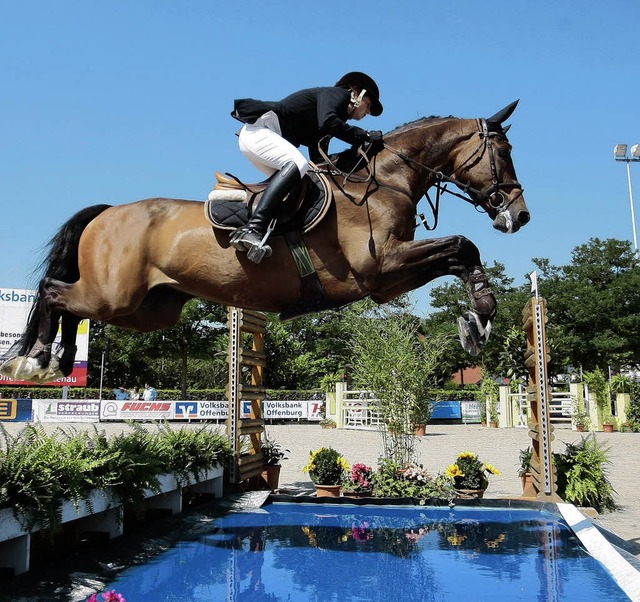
(15, 304)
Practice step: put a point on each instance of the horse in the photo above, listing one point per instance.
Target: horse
(363, 247)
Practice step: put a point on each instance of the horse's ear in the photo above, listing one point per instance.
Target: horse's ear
(505, 129)
(504, 114)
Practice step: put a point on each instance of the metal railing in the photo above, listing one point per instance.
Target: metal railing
(359, 411)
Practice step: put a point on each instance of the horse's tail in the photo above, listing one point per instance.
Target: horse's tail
(61, 263)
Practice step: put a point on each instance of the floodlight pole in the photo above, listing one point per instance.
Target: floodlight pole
(619, 157)
(633, 214)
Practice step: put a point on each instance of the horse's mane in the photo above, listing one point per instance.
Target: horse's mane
(347, 159)
(410, 125)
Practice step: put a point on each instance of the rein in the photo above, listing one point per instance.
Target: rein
(492, 195)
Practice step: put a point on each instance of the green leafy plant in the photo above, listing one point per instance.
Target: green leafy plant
(39, 472)
(272, 452)
(578, 413)
(581, 475)
(525, 456)
(469, 473)
(326, 467)
(328, 423)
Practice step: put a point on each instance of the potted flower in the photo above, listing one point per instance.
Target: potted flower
(470, 475)
(328, 423)
(272, 456)
(359, 482)
(327, 469)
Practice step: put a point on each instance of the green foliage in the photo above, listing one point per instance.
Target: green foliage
(395, 480)
(525, 461)
(393, 359)
(272, 452)
(581, 475)
(40, 471)
(599, 387)
(595, 314)
(633, 412)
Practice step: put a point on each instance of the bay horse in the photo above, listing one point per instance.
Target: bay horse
(135, 265)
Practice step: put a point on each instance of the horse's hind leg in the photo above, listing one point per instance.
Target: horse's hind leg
(36, 365)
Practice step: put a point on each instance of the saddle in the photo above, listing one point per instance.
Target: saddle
(230, 206)
(232, 202)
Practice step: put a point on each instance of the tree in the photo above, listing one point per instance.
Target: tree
(594, 305)
(400, 366)
(166, 357)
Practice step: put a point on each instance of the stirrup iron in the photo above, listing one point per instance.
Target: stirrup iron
(258, 252)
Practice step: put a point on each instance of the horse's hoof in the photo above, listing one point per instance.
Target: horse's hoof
(20, 368)
(473, 334)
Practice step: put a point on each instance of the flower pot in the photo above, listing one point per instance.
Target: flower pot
(527, 479)
(493, 424)
(328, 490)
(483, 423)
(580, 427)
(271, 474)
(469, 494)
(421, 430)
(607, 428)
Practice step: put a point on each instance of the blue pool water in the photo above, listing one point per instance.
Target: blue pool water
(326, 553)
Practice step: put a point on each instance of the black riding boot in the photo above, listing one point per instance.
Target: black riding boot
(250, 236)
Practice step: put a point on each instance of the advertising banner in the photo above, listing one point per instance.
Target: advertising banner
(137, 410)
(471, 412)
(67, 410)
(16, 410)
(15, 305)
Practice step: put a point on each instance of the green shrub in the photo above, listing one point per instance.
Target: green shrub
(581, 475)
(40, 471)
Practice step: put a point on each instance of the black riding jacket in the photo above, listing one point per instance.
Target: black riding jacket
(306, 117)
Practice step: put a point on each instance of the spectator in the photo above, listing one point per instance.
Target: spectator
(134, 394)
(121, 393)
(150, 394)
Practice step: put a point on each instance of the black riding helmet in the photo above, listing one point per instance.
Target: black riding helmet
(361, 80)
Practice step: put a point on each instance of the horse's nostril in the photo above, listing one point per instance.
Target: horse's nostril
(523, 217)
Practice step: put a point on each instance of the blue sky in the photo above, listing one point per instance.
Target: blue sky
(111, 102)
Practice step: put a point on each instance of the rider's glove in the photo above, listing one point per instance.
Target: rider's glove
(374, 136)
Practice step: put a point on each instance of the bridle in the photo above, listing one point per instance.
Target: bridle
(492, 195)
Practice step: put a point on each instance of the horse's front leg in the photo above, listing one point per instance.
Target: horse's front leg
(412, 264)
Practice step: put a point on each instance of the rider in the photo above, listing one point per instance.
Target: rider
(273, 131)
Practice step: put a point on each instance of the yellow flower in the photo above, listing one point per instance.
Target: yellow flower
(467, 454)
(492, 469)
(456, 540)
(343, 463)
(454, 471)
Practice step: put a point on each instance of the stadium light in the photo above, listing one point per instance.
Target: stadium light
(620, 154)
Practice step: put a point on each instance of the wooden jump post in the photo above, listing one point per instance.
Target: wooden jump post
(247, 360)
(543, 481)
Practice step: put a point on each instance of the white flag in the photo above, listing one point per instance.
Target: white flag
(534, 283)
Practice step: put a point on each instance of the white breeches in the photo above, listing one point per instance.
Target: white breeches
(263, 145)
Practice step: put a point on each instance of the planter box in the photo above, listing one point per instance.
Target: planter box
(102, 514)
